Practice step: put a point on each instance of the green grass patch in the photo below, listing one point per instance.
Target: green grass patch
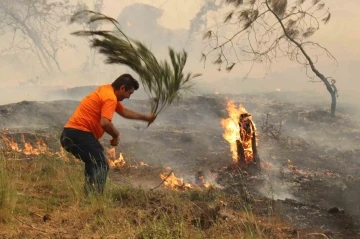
(44, 197)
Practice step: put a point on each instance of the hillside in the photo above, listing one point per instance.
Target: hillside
(309, 165)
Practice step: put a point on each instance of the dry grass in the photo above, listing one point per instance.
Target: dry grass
(42, 197)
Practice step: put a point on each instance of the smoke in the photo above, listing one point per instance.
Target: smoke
(181, 136)
(188, 135)
(200, 21)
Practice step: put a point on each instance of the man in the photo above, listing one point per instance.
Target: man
(90, 120)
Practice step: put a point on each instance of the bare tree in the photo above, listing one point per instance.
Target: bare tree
(33, 25)
(266, 30)
(97, 6)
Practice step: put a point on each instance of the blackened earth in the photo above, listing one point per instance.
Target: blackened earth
(309, 166)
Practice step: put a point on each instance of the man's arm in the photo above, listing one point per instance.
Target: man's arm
(109, 127)
(129, 114)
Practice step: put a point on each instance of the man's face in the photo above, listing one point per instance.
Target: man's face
(122, 93)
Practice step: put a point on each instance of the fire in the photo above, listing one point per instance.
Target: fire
(203, 182)
(171, 181)
(175, 183)
(231, 127)
(37, 148)
(28, 149)
(62, 154)
(120, 162)
(239, 132)
(11, 144)
(129, 24)
(113, 161)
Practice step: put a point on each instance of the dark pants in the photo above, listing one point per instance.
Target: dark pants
(84, 146)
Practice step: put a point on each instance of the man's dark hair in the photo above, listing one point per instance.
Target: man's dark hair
(127, 80)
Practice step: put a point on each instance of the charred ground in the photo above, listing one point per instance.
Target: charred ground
(310, 161)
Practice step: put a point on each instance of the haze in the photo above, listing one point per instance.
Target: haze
(23, 78)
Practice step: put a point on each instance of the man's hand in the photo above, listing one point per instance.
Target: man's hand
(150, 118)
(115, 141)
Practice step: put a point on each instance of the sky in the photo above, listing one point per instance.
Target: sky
(341, 36)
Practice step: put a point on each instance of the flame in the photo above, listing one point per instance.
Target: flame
(37, 148)
(173, 182)
(29, 149)
(120, 162)
(129, 24)
(231, 127)
(62, 154)
(143, 164)
(235, 134)
(203, 182)
(113, 161)
(40, 148)
(277, 89)
(216, 93)
(11, 144)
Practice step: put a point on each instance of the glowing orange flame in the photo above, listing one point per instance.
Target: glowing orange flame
(29, 149)
(246, 143)
(203, 182)
(62, 154)
(11, 144)
(41, 147)
(231, 127)
(174, 183)
(143, 164)
(113, 161)
(120, 162)
(235, 134)
(37, 148)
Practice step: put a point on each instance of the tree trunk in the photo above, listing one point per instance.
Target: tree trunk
(329, 87)
(333, 103)
(247, 143)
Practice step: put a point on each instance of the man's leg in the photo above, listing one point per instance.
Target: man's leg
(96, 169)
(84, 146)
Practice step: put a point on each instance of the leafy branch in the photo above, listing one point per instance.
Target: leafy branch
(163, 81)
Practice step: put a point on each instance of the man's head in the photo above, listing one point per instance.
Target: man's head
(124, 86)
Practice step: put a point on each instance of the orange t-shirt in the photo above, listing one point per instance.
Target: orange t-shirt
(101, 102)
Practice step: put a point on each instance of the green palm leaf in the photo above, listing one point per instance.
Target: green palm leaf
(163, 81)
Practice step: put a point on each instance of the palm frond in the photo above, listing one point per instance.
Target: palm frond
(163, 81)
